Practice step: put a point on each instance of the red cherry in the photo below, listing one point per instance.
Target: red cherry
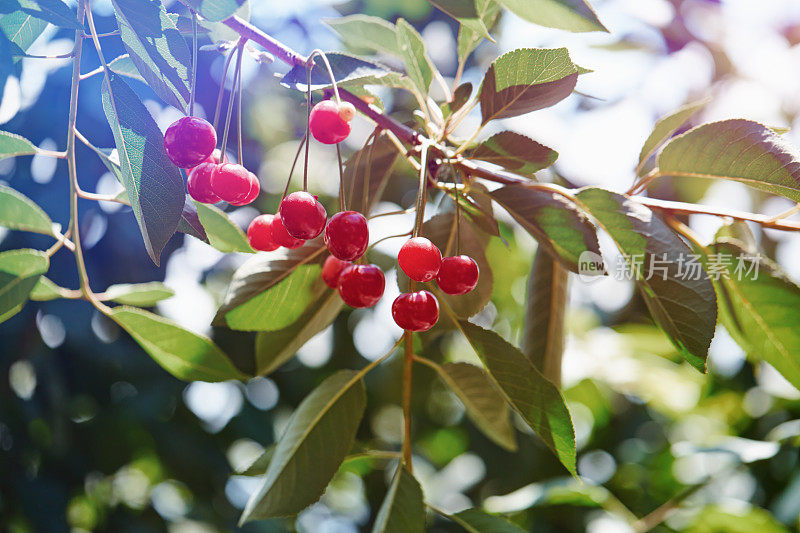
(457, 275)
(282, 237)
(259, 233)
(420, 259)
(331, 270)
(303, 216)
(415, 311)
(347, 235)
(255, 189)
(361, 285)
(213, 158)
(199, 183)
(326, 125)
(231, 182)
(189, 140)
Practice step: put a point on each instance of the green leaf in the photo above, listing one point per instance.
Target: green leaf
(223, 233)
(347, 69)
(554, 221)
(460, 97)
(419, 67)
(478, 521)
(157, 48)
(403, 508)
(545, 311)
(477, 205)
(21, 29)
(139, 294)
(18, 212)
(738, 519)
(217, 32)
(320, 433)
(571, 15)
(758, 305)
(363, 32)
(468, 37)
(666, 127)
(532, 395)
(273, 348)
(12, 145)
(484, 404)
(215, 10)
(53, 11)
(466, 13)
(374, 161)
(45, 290)
(190, 221)
(154, 185)
(525, 80)
(739, 150)
(684, 307)
(272, 290)
(180, 352)
(515, 152)
(124, 66)
(20, 271)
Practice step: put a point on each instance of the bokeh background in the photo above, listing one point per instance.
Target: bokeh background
(94, 436)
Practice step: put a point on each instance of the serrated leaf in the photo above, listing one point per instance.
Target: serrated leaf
(483, 402)
(185, 355)
(12, 145)
(478, 521)
(22, 29)
(419, 67)
(403, 508)
(272, 290)
(45, 290)
(139, 294)
(525, 80)
(468, 38)
(20, 271)
(320, 433)
(374, 161)
(554, 221)
(53, 11)
(273, 348)
(528, 392)
(477, 205)
(571, 15)
(223, 233)
(347, 70)
(215, 10)
(740, 233)
(545, 312)
(154, 185)
(758, 306)
(514, 152)
(157, 48)
(685, 308)
(19, 212)
(124, 66)
(739, 150)
(666, 127)
(466, 13)
(364, 32)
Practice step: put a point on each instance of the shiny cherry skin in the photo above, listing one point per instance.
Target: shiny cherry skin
(255, 189)
(347, 235)
(361, 285)
(282, 237)
(420, 259)
(189, 141)
(231, 182)
(415, 311)
(326, 125)
(303, 216)
(259, 233)
(457, 275)
(213, 158)
(332, 269)
(199, 184)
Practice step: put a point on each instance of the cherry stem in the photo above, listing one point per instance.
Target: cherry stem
(458, 212)
(422, 195)
(239, 121)
(222, 82)
(341, 178)
(294, 163)
(321, 54)
(408, 361)
(236, 73)
(308, 127)
(368, 169)
(194, 62)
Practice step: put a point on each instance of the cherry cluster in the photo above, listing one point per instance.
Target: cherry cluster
(190, 144)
